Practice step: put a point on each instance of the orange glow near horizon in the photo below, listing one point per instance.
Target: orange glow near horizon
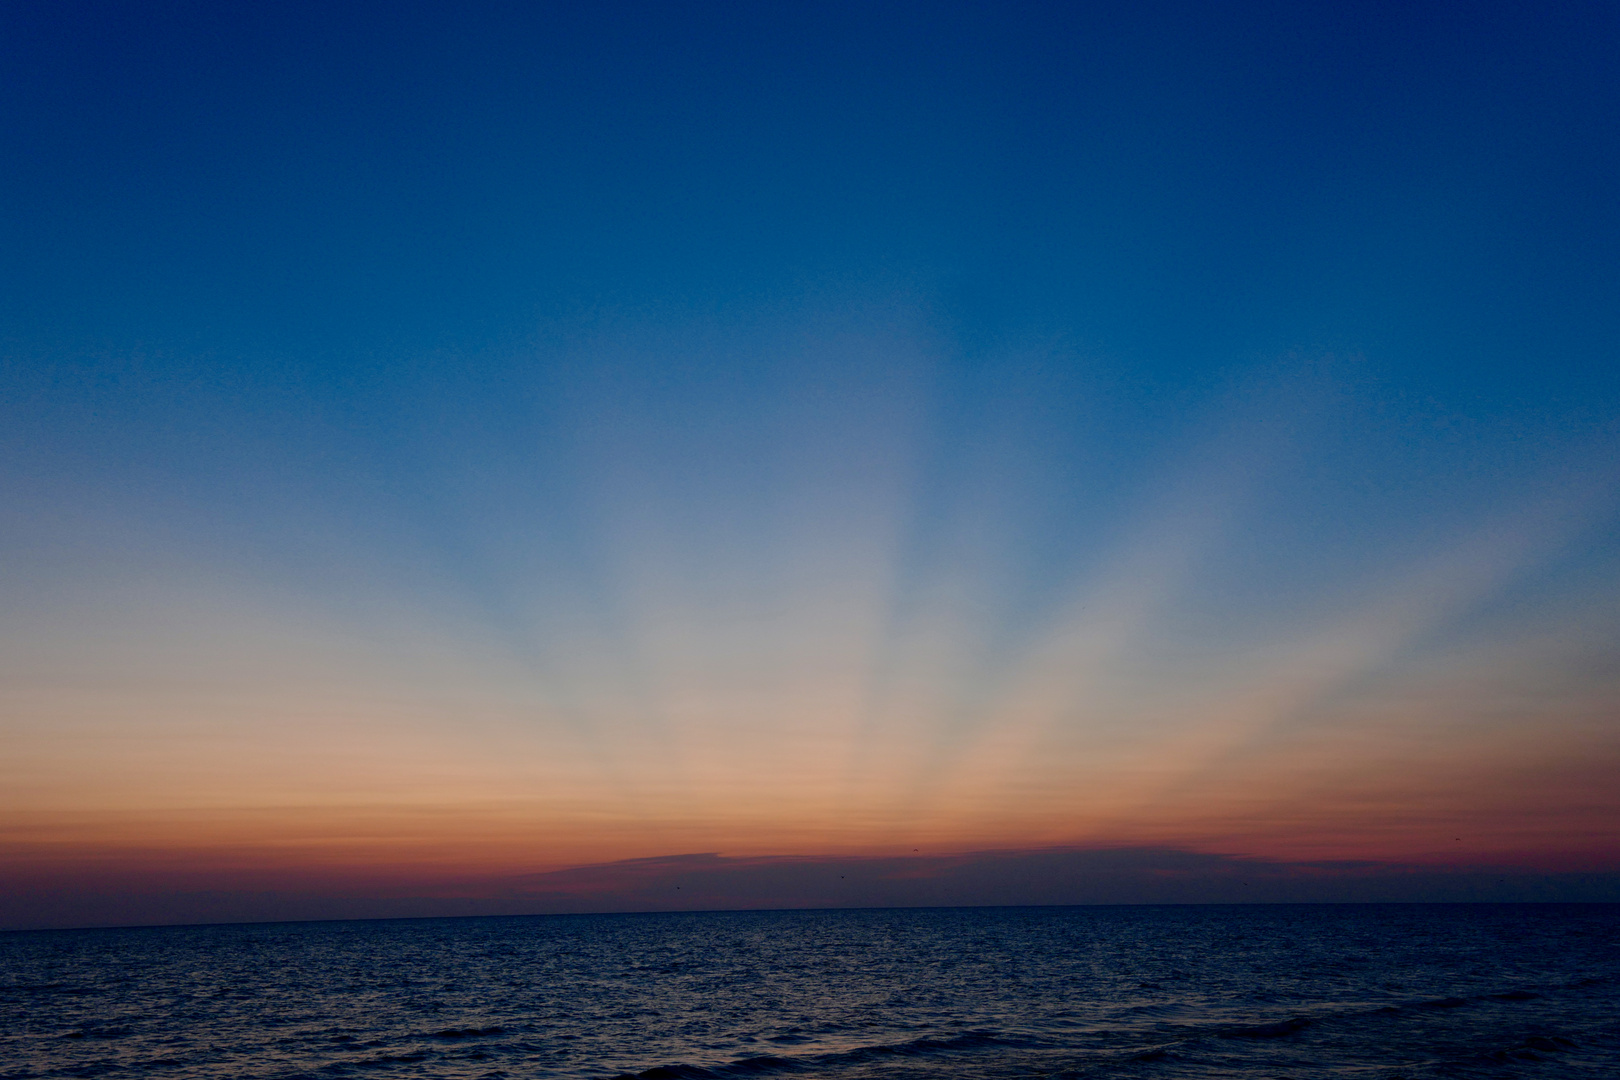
(813, 679)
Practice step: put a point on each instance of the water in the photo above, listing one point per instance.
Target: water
(1375, 991)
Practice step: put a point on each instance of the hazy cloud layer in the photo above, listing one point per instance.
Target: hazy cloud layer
(703, 882)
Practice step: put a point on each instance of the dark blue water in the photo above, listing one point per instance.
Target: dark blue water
(1143, 992)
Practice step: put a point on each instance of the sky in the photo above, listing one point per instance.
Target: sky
(493, 457)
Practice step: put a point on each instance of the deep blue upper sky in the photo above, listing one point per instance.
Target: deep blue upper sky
(1179, 183)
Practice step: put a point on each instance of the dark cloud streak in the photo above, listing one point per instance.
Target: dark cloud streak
(710, 881)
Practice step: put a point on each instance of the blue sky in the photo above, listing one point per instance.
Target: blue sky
(641, 430)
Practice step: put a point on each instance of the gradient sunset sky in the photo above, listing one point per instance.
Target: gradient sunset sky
(450, 442)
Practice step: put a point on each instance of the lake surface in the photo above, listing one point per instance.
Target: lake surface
(1364, 991)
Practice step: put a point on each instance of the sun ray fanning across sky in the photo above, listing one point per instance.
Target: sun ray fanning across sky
(505, 444)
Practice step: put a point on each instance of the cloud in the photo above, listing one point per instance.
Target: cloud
(712, 881)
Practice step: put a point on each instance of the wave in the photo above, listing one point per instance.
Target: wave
(944, 1045)
(1532, 1049)
(1164, 1008)
(1288, 1027)
(1266, 1031)
(755, 1066)
(71, 989)
(1444, 1003)
(391, 1059)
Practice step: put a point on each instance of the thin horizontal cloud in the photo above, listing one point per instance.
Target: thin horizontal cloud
(713, 881)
